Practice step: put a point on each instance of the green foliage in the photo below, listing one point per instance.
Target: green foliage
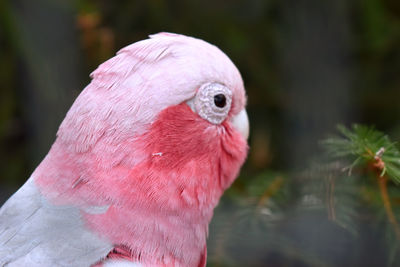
(366, 145)
(324, 215)
(248, 225)
(273, 215)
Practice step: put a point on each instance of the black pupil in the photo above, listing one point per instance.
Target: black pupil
(220, 100)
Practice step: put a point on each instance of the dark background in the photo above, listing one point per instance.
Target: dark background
(307, 66)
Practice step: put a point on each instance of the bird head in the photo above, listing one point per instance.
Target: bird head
(161, 130)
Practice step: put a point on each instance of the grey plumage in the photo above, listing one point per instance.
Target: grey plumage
(33, 232)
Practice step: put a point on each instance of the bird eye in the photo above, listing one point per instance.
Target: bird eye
(212, 102)
(220, 100)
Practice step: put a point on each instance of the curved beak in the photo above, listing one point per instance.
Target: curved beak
(241, 123)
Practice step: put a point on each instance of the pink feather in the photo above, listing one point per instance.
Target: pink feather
(131, 145)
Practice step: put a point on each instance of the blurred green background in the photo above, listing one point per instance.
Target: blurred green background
(307, 66)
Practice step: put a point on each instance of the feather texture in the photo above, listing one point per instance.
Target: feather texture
(135, 173)
(33, 232)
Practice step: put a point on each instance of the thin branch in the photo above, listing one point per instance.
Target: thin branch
(331, 198)
(382, 181)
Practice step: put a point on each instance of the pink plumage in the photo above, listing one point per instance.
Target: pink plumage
(140, 161)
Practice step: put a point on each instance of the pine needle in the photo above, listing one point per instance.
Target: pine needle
(366, 145)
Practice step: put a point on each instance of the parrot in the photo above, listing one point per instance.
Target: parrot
(138, 164)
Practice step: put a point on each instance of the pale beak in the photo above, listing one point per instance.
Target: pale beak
(241, 123)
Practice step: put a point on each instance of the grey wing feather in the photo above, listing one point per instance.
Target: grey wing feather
(33, 232)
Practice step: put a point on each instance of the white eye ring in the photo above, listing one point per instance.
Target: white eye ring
(204, 103)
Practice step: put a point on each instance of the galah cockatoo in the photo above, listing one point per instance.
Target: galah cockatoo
(139, 163)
